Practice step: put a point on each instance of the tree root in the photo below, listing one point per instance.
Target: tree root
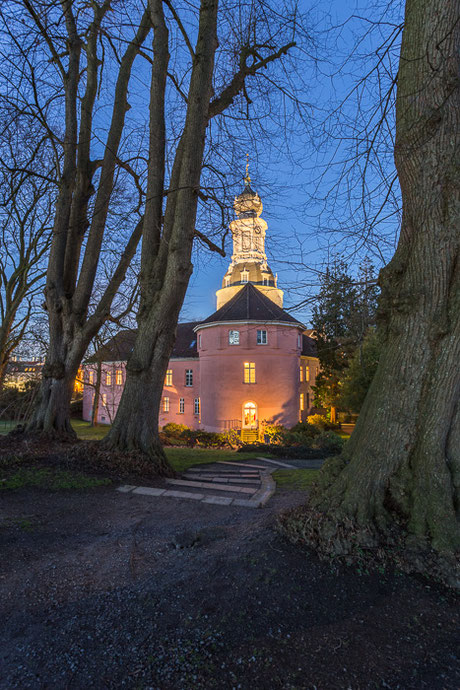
(342, 540)
(120, 464)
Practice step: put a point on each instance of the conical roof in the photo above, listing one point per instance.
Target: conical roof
(249, 304)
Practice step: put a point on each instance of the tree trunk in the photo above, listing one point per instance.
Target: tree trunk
(400, 472)
(97, 391)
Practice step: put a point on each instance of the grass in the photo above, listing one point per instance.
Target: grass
(51, 479)
(183, 458)
(295, 479)
(86, 432)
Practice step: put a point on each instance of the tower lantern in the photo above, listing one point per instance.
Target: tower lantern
(249, 260)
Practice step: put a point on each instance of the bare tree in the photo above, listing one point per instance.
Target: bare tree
(56, 54)
(398, 480)
(263, 35)
(26, 201)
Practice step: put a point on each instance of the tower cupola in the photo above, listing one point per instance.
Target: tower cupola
(249, 260)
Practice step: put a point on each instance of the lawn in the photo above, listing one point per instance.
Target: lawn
(295, 479)
(180, 458)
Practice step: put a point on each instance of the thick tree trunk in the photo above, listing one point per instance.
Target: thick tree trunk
(66, 350)
(400, 471)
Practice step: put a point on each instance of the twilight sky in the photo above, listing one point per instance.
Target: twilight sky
(312, 194)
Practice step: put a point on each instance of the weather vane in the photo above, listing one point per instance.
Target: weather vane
(247, 179)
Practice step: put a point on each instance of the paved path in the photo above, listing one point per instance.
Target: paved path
(245, 483)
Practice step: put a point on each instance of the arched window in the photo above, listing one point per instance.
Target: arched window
(250, 415)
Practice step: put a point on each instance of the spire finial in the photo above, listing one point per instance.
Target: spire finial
(247, 179)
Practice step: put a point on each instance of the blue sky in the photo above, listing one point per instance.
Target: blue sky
(312, 199)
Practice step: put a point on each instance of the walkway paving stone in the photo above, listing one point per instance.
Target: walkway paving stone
(219, 487)
(221, 478)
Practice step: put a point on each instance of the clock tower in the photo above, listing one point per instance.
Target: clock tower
(249, 261)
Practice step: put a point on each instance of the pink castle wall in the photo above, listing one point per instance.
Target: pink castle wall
(224, 393)
(218, 380)
(107, 412)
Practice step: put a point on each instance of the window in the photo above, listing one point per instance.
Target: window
(233, 337)
(307, 373)
(165, 404)
(249, 372)
(301, 373)
(299, 340)
(197, 406)
(189, 377)
(181, 405)
(302, 401)
(104, 398)
(90, 376)
(168, 380)
(265, 280)
(108, 378)
(227, 282)
(119, 377)
(199, 340)
(308, 400)
(244, 276)
(261, 337)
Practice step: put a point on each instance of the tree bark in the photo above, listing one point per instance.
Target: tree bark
(401, 468)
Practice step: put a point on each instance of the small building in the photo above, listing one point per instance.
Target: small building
(250, 363)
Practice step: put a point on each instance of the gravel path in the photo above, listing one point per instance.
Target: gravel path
(100, 589)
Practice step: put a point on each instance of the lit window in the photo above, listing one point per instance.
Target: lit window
(189, 377)
(104, 398)
(119, 377)
(261, 337)
(108, 378)
(301, 373)
(302, 401)
(249, 372)
(233, 337)
(168, 380)
(244, 276)
(307, 373)
(181, 405)
(165, 404)
(197, 406)
(90, 376)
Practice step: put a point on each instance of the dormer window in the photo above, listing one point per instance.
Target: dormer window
(244, 276)
(226, 282)
(265, 280)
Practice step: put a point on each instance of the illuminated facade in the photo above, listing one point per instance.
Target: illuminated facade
(247, 364)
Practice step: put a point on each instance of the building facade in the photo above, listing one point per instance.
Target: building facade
(250, 363)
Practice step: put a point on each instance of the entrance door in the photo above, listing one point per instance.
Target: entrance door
(250, 416)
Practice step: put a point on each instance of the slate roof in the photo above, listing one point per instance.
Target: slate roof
(249, 304)
(118, 348)
(308, 346)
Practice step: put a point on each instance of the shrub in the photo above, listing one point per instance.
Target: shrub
(274, 432)
(306, 429)
(322, 422)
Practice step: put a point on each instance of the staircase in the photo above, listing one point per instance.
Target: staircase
(249, 435)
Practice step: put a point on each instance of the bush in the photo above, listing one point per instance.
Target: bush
(274, 432)
(181, 435)
(322, 422)
(306, 429)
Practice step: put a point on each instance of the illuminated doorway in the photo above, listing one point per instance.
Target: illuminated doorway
(250, 416)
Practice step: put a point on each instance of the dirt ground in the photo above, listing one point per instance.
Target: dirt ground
(100, 589)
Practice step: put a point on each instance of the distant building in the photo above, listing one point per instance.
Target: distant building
(250, 362)
(20, 372)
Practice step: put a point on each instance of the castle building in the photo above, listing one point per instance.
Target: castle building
(248, 364)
